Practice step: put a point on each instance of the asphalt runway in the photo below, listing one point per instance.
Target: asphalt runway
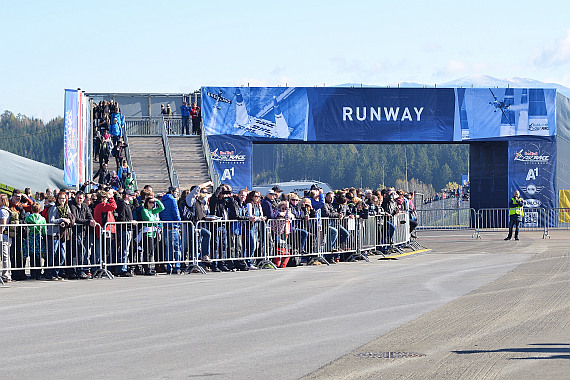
(475, 308)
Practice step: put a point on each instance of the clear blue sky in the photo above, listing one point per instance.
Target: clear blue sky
(178, 46)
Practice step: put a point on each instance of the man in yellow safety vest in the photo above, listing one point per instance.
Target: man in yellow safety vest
(516, 214)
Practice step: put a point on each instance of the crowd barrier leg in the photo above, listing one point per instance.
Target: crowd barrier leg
(102, 247)
(267, 243)
(195, 233)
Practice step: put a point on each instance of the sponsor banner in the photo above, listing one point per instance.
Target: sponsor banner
(232, 160)
(503, 112)
(532, 171)
(70, 138)
(330, 114)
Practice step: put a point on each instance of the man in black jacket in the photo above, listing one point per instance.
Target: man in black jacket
(82, 245)
(235, 206)
(104, 175)
(219, 210)
(125, 223)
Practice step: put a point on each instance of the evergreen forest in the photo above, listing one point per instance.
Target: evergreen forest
(361, 165)
(31, 138)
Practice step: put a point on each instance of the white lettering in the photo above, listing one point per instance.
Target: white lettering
(227, 174)
(419, 113)
(532, 174)
(375, 112)
(391, 115)
(346, 113)
(358, 117)
(406, 114)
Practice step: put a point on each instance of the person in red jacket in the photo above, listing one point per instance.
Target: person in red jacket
(196, 116)
(103, 215)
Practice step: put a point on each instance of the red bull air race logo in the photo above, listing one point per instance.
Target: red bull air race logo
(228, 154)
(532, 157)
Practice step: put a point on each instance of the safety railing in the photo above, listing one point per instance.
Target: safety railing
(446, 219)
(498, 219)
(557, 219)
(51, 251)
(144, 126)
(173, 124)
(168, 154)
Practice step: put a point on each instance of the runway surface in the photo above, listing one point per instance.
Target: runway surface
(473, 308)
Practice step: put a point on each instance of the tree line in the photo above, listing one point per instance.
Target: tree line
(31, 138)
(362, 165)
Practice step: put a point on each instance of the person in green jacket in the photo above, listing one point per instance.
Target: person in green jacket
(35, 246)
(152, 207)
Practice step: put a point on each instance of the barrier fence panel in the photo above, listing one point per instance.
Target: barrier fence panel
(446, 219)
(558, 218)
(50, 251)
(497, 220)
(367, 234)
(230, 244)
(149, 247)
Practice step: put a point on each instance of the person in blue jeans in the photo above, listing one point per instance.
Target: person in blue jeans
(172, 240)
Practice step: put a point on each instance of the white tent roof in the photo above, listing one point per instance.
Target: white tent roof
(20, 172)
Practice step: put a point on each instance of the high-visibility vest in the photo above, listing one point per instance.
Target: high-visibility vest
(514, 209)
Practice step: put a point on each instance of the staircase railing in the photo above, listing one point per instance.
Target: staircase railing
(171, 172)
(128, 157)
(206, 150)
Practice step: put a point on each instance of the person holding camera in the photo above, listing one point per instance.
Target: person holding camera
(59, 236)
(150, 217)
(516, 214)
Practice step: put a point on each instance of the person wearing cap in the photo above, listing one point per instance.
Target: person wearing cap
(126, 204)
(173, 242)
(269, 203)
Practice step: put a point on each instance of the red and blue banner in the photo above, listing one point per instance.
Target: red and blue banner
(74, 137)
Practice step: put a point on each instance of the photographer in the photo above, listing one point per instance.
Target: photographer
(59, 237)
(516, 214)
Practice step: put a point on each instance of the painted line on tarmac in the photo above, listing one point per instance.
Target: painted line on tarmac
(404, 254)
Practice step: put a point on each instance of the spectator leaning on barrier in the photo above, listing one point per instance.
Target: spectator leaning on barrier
(59, 237)
(84, 234)
(150, 215)
(34, 245)
(268, 204)
(219, 210)
(103, 214)
(125, 206)
(171, 214)
(516, 214)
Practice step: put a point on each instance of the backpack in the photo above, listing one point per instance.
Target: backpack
(45, 212)
(14, 219)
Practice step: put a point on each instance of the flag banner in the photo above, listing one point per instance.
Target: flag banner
(70, 139)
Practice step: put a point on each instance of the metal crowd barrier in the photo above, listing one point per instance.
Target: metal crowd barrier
(446, 219)
(124, 248)
(46, 251)
(497, 220)
(557, 219)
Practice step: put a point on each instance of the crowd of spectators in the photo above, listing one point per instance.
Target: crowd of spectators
(108, 141)
(64, 228)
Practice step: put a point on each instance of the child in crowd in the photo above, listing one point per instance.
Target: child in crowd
(35, 246)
